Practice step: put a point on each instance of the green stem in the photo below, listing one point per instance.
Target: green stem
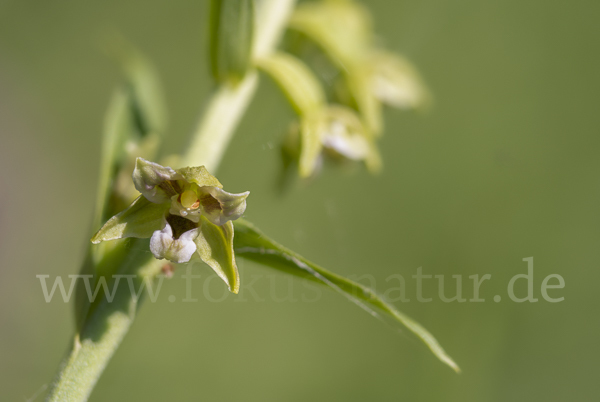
(106, 323)
(229, 102)
(218, 124)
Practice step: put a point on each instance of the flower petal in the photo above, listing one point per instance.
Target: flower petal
(396, 82)
(360, 86)
(345, 135)
(311, 128)
(298, 82)
(180, 210)
(219, 206)
(199, 175)
(353, 147)
(342, 28)
(147, 177)
(164, 246)
(215, 247)
(139, 220)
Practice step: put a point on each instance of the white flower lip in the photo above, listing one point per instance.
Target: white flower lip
(164, 246)
(349, 144)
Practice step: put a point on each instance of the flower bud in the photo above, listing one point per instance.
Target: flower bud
(231, 37)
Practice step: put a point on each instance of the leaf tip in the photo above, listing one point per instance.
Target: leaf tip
(451, 363)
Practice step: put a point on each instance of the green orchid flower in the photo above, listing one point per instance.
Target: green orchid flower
(185, 213)
(322, 129)
(371, 76)
(336, 133)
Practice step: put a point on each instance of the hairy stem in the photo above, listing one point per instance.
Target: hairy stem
(107, 322)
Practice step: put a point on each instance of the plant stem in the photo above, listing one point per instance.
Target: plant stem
(229, 103)
(106, 324)
(108, 321)
(217, 126)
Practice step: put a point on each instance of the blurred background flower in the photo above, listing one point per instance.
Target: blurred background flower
(504, 167)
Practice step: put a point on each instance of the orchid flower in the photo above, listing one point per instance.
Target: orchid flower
(185, 213)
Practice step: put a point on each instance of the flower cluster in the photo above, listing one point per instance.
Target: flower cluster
(344, 123)
(373, 75)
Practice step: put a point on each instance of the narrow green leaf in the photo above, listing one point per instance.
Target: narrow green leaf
(148, 101)
(253, 245)
(297, 81)
(215, 247)
(231, 38)
(135, 118)
(116, 130)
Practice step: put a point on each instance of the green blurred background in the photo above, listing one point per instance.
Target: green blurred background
(504, 167)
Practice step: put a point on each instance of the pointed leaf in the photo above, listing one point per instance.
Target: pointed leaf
(215, 247)
(147, 103)
(251, 244)
(116, 130)
(136, 109)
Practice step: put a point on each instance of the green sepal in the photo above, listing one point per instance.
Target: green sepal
(298, 82)
(231, 38)
(369, 107)
(230, 206)
(311, 128)
(215, 248)
(200, 176)
(396, 82)
(253, 245)
(373, 161)
(139, 220)
(343, 29)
